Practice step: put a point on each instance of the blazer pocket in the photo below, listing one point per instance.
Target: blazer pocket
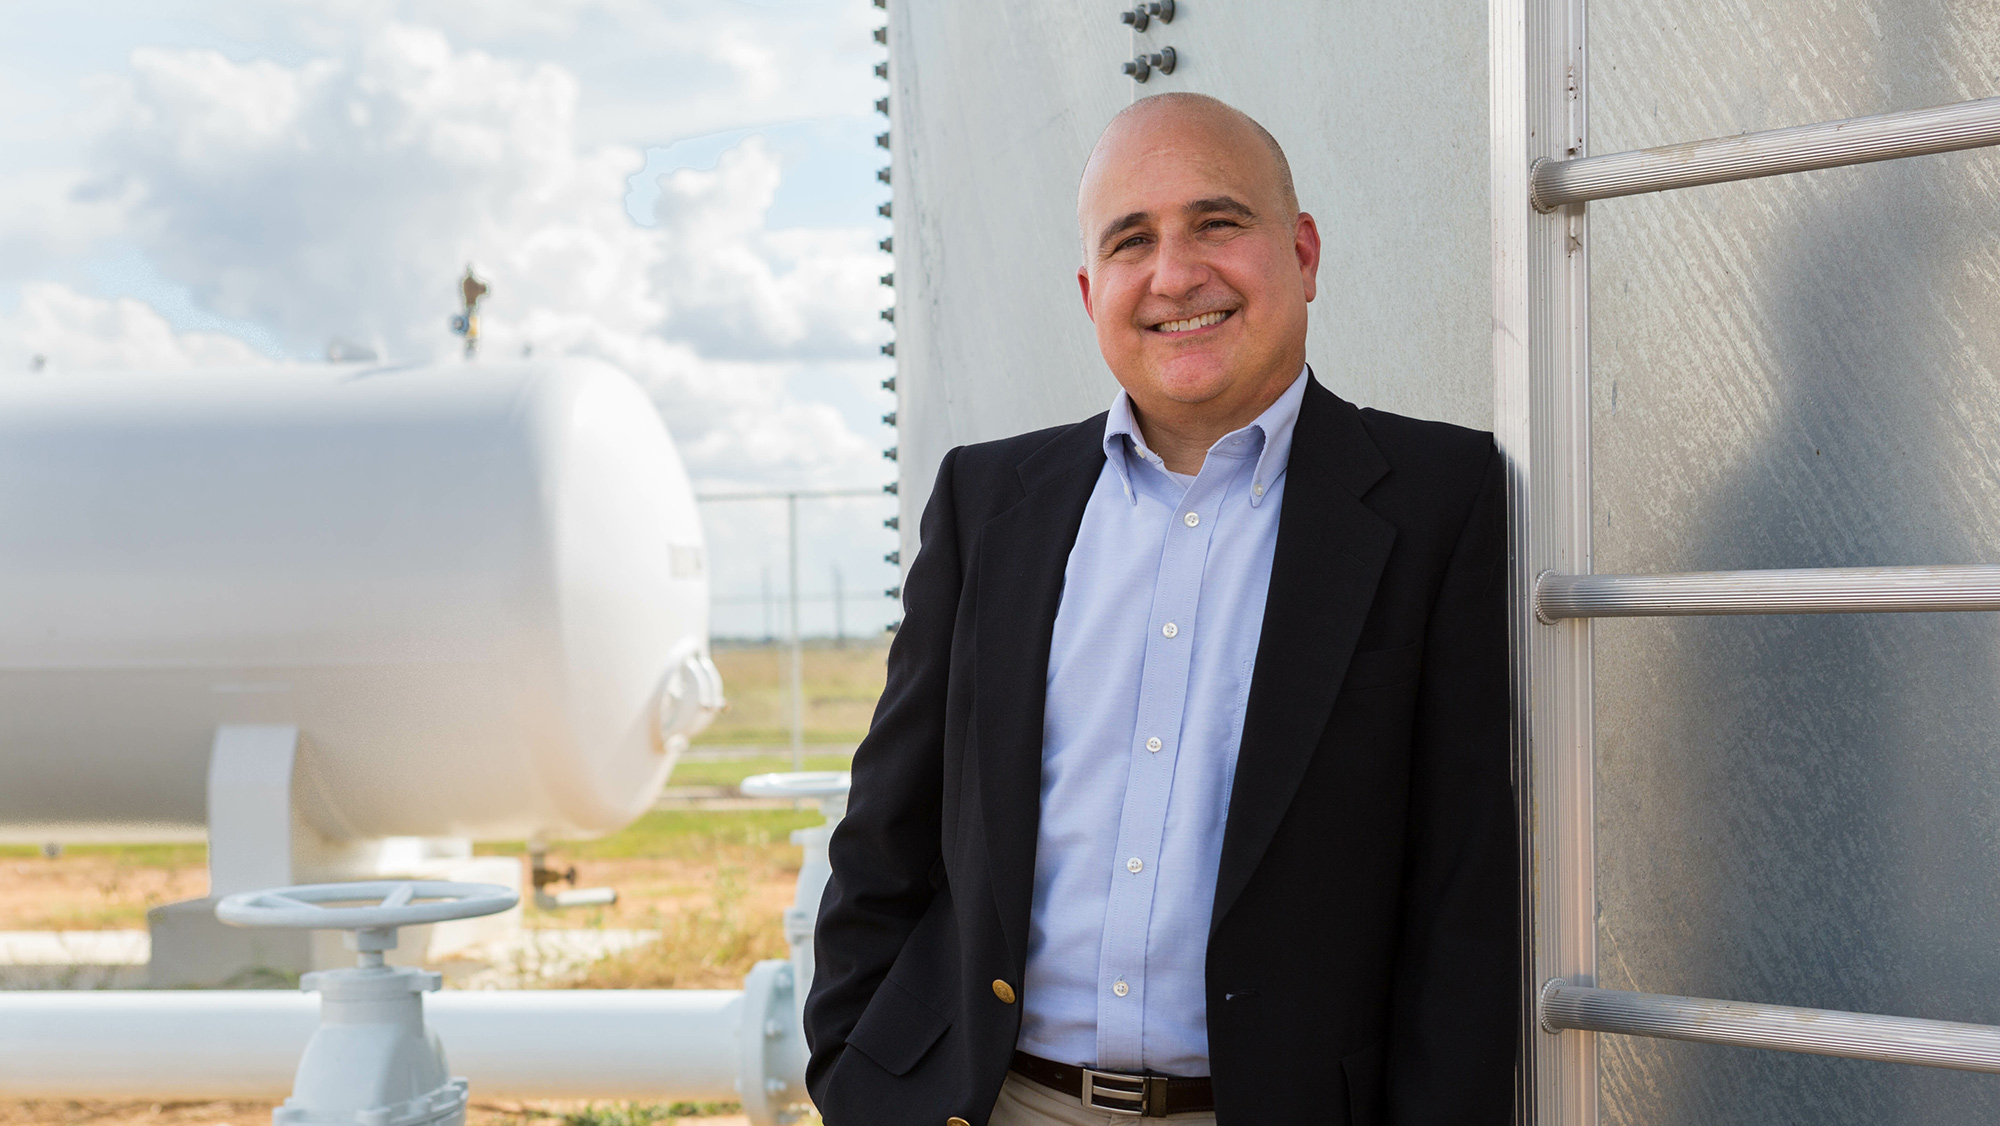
(1363, 1071)
(896, 1029)
(1379, 668)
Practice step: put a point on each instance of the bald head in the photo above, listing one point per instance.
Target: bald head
(1195, 118)
(1197, 268)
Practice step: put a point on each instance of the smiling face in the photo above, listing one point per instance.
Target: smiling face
(1197, 263)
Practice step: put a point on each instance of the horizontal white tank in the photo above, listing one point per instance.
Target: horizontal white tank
(469, 585)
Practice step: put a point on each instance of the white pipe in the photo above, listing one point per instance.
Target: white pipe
(143, 1044)
(660, 1044)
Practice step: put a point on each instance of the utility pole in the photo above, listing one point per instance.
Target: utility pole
(798, 656)
(791, 499)
(839, 613)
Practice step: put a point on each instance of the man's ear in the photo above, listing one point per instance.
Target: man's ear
(1083, 285)
(1305, 243)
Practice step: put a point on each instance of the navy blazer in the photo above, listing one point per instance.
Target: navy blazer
(1362, 962)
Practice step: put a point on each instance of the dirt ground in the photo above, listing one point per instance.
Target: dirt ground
(715, 923)
(95, 889)
(91, 890)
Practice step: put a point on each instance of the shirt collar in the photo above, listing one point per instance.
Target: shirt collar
(1274, 427)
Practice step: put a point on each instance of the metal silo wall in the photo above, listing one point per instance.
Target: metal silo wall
(1796, 372)
(1381, 109)
(1786, 373)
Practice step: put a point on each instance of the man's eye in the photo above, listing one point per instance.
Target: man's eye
(1135, 240)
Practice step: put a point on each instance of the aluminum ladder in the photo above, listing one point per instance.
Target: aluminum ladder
(1542, 182)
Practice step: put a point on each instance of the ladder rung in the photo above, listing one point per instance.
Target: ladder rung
(1833, 590)
(1774, 152)
(1819, 1032)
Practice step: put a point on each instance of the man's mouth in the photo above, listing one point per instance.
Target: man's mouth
(1192, 323)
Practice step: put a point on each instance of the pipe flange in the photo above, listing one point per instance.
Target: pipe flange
(1549, 988)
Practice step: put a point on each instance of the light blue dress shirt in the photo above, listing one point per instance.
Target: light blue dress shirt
(1149, 671)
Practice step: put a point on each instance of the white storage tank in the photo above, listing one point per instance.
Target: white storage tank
(478, 590)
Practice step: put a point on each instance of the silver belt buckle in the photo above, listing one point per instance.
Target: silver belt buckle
(1115, 1092)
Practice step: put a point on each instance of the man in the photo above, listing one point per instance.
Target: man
(1188, 794)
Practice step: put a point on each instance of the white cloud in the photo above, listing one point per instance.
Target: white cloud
(56, 328)
(338, 199)
(733, 419)
(325, 169)
(658, 69)
(734, 288)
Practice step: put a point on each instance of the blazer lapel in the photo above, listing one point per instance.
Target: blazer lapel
(1329, 558)
(1022, 555)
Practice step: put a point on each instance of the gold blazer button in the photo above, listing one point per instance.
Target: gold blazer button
(1003, 991)
(956, 1122)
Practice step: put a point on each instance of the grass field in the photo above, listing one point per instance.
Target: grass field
(841, 687)
(694, 771)
(714, 883)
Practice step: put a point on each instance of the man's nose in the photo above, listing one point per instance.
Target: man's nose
(1179, 268)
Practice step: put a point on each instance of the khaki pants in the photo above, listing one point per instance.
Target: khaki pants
(1024, 1102)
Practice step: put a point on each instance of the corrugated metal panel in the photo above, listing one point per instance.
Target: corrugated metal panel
(1787, 373)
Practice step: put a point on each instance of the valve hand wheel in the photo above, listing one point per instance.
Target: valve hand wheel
(396, 903)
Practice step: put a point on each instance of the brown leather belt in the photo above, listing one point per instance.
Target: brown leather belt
(1115, 1092)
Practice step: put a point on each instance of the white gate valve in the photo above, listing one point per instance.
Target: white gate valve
(373, 1061)
(773, 1064)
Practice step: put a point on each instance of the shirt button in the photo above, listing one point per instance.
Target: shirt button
(1170, 629)
(1259, 490)
(1153, 744)
(1134, 865)
(1191, 519)
(1120, 988)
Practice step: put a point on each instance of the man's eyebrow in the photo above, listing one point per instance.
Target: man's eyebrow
(1120, 225)
(1229, 204)
(1211, 205)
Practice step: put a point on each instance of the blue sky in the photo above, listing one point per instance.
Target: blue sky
(686, 189)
